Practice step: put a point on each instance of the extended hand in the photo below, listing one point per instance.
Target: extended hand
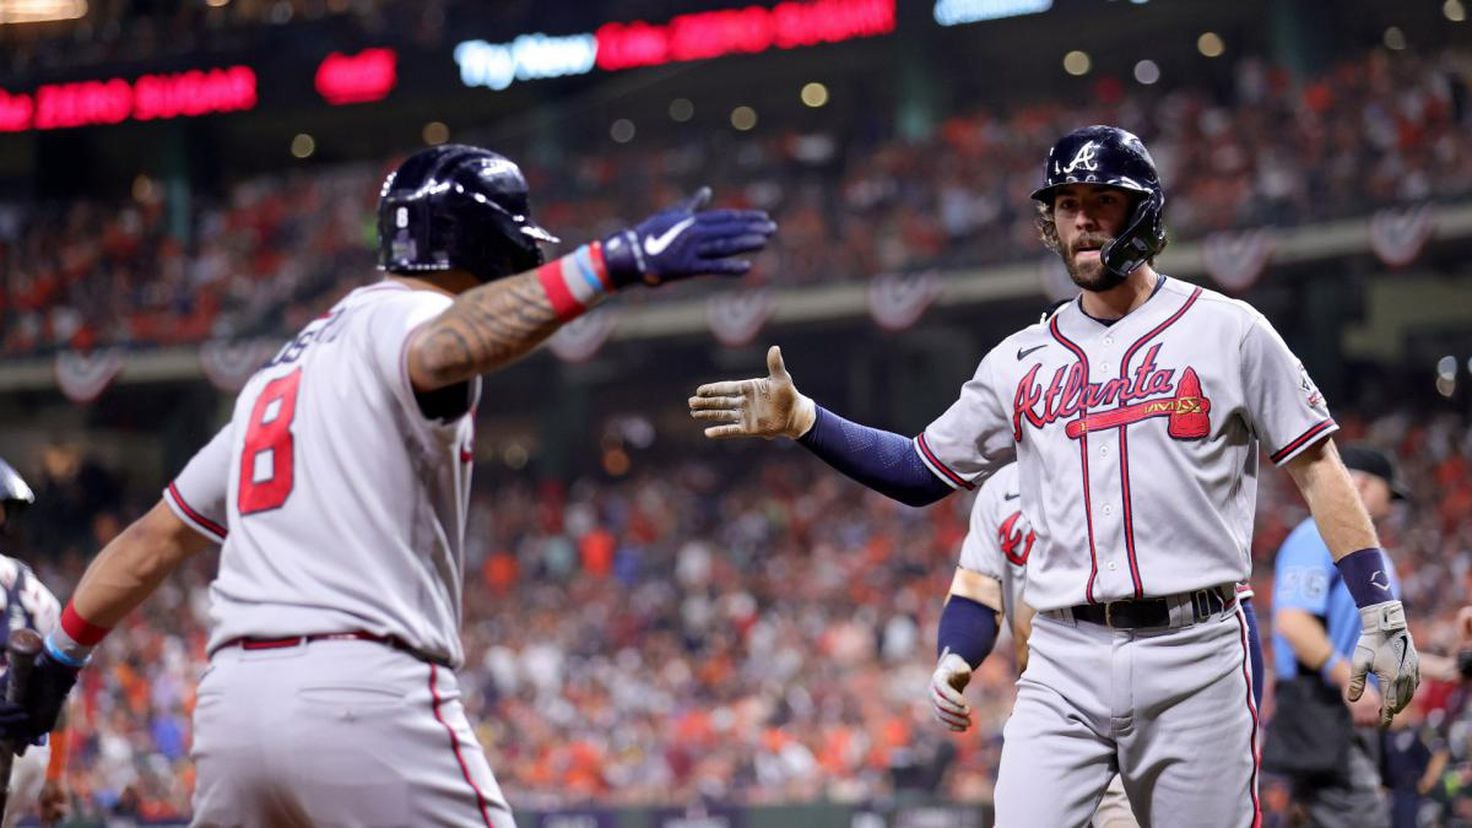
(951, 676)
(686, 240)
(1385, 648)
(770, 407)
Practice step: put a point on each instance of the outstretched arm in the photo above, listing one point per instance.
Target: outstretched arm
(495, 324)
(772, 407)
(1385, 646)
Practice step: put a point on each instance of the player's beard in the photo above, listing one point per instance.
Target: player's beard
(1091, 275)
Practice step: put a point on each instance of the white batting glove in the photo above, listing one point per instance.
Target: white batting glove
(1385, 648)
(767, 408)
(951, 676)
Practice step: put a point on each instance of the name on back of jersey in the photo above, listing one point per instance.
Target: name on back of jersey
(324, 328)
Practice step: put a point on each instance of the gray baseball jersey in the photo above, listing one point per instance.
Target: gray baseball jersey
(1000, 538)
(1137, 442)
(341, 507)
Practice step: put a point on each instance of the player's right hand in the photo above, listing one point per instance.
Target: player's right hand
(770, 407)
(1386, 649)
(28, 722)
(686, 240)
(951, 676)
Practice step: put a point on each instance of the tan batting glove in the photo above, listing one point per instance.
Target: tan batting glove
(951, 676)
(767, 408)
(1385, 648)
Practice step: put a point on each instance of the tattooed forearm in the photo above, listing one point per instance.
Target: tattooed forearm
(485, 329)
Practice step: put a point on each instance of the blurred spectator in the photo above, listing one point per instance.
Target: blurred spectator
(276, 250)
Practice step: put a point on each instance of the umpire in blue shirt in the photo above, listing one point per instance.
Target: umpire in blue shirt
(1324, 745)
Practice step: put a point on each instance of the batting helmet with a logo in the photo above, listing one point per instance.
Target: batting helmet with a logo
(1111, 157)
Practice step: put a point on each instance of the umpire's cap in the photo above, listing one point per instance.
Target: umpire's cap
(1371, 460)
(458, 206)
(13, 489)
(1112, 157)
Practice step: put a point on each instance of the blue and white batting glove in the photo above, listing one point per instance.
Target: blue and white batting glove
(686, 240)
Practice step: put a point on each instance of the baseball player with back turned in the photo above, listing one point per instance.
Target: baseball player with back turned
(1135, 415)
(989, 578)
(338, 491)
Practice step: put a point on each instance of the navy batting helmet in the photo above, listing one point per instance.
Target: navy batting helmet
(13, 489)
(1111, 157)
(457, 206)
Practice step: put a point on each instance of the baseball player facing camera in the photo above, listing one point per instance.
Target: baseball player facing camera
(338, 493)
(1135, 415)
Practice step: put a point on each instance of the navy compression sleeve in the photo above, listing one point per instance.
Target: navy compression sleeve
(882, 460)
(967, 628)
(1254, 649)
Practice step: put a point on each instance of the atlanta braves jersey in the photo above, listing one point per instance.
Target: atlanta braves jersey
(1136, 441)
(1000, 538)
(340, 506)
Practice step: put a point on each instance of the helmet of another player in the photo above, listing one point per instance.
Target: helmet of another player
(15, 495)
(1110, 157)
(458, 207)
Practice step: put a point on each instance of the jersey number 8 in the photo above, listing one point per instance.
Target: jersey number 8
(269, 447)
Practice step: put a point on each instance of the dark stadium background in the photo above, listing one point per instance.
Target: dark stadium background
(665, 631)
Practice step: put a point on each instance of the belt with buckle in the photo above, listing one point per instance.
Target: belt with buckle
(247, 643)
(1156, 612)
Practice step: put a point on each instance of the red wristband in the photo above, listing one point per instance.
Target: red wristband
(81, 630)
(576, 281)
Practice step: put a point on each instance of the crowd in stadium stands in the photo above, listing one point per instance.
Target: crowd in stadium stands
(746, 628)
(272, 251)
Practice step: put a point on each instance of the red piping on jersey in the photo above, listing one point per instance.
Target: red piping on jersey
(955, 479)
(1252, 709)
(1278, 455)
(1083, 449)
(480, 799)
(1124, 449)
(214, 528)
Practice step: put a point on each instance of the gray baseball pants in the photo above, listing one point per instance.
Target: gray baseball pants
(1170, 710)
(337, 733)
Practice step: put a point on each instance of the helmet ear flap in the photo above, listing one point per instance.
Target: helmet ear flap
(1141, 240)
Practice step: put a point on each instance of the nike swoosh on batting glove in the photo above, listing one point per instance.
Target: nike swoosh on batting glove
(686, 240)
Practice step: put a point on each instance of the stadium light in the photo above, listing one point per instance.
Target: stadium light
(1210, 44)
(40, 11)
(622, 131)
(814, 94)
(743, 118)
(1395, 39)
(435, 133)
(1147, 72)
(1454, 11)
(303, 145)
(1077, 63)
(681, 110)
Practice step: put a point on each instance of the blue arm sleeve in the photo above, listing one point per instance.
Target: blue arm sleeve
(1254, 651)
(882, 460)
(967, 628)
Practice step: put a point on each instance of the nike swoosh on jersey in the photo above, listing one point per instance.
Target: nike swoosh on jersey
(1012, 496)
(655, 245)
(1023, 352)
